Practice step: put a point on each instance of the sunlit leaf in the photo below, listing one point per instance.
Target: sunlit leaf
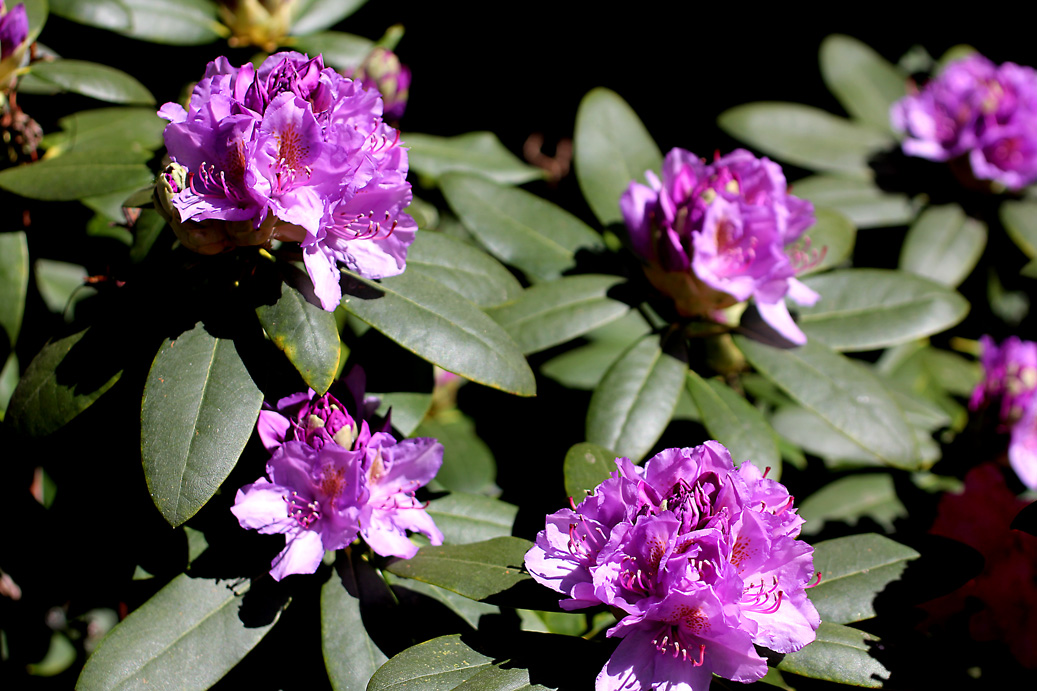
(464, 268)
(173, 22)
(340, 50)
(839, 654)
(468, 464)
(827, 243)
(478, 570)
(473, 152)
(865, 83)
(943, 245)
(586, 466)
(848, 499)
(306, 333)
(14, 283)
(317, 15)
(93, 79)
(859, 199)
(465, 518)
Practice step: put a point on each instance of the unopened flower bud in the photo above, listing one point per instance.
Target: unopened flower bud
(382, 70)
(14, 30)
(261, 23)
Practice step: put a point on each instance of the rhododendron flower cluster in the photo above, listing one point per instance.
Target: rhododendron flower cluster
(699, 559)
(976, 108)
(331, 478)
(713, 235)
(1010, 376)
(295, 151)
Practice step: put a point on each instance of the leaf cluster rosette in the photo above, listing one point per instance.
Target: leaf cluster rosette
(699, 559)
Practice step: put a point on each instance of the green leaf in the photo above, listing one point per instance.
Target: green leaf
(63, 380)
(827, 243)
(441, 664)
(470, 611)
(473, 152)
(860, 200)
(74, 175)
(36, 12)
(854, 570)
(9, 375)
(468, 464)
(172, 22)
(583, 367)
(840, 654)
(465, 518)
(867, 309)
(805, 136)
(809, 431)
(465, 269)
(612, 148)
(1020, 220)
(340, 50)
(517, 227)
(548, 314)
(635, 400)
(586, 466)
(408, 409)
(735, 423)
(306, 333)
(864, 82)
(851, 498)
(437, 324)
(123, 133)
(845, 394)
(94, 80)
(61, 285)
(317, 15)
(943, 245)
(171, 640)
(14, 284)
(478, 570)
(350, 656)
(199, 408)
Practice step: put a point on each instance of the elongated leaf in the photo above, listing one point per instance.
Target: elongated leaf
(14, 283)
(866, 309)
(551, 313)
(471, 611)
(583, 367)
(1020, 220)
(612, 148)
(586, 466)
(199, 407)
(107, 14)
(129, 134)
(863, 81)
(435, 323)
(441, 664)
(827, 243)
(517, 227)
(851, 498)
(350, 656)
(173, 22)
(854, 570)
(468, 464)
(317, 15)
(843, 393)
(340, 50)
(408, 409)
(735, 423)
(478, 570)
(92, 79)
(805, 136)
(943, 245)
(170, 641)
(635, 400)
(465, 518)
(860, 200)
(464, 268)
(75, 175)
(306, 333)
(810, 432)
(473, 152)
(8, 381)
(840, 654)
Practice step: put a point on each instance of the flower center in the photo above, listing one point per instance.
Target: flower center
(305, 513)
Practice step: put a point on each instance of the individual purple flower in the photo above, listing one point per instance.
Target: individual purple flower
(698, 559)
(975, 108)
(14, 29)
(291, 151)
(713, 235)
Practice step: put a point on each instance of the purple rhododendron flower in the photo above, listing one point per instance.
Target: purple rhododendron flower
(295, 151)
(14, 29)
(699, 559)
(975, 108)
(713, 235)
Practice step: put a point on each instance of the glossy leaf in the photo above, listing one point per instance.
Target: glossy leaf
(478, 570)
(317, 15)
(408, 409)
(441, 664)
(1020, 220)
(306, 333)
(854, 570)
(635, 400)
(840, 654)
(860, 200)
(549, 314)
(125, 133)
(464, 268)
(584, 366)
(465, 518)
(173, 22)
(340, 50)
(810, 432)
(612, 148)
(94, 80)
(75, 175)
(169, 641)
(805, 136)
(735, 423)
(943, 245)
(199, 408)
(437, 324)
(8, 382)
(827, 243)
(867, 309)
(350, 656)
(517, 227)
(851, 498)
(480, 153)
(468, 464)
(865, 83)
(843, 393)
(586, 466)
(14, 283)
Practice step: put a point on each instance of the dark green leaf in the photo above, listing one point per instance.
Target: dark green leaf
(317, 15)
(810, 432)
(854, 570)
(549, 314)
(129, 134)
(350, 656)
(473, 152)
(860, 200)
(478, 570)
(1020, 220)
(92, 79)
(36, 12)
(735, 423)
(173, 22)
(612, 149)
(107, 14)
(839, 654)
(843, 393)
(583, 367)
(468, 464)
(441, 664)
(465, 518)
(863, 81)
(471, 611)
(408, 409)
(437, 324)
(306, 333)
(14, 283)
(827, 243)
(635, 400)
(74, 175)
(340, 50)
(199, 407)
(462, 267)
(517, 227)
(867, 309)
(851, 498)
(805, 136)
(170, 641)
(943, 245)
(9, 374)
(586, 466)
